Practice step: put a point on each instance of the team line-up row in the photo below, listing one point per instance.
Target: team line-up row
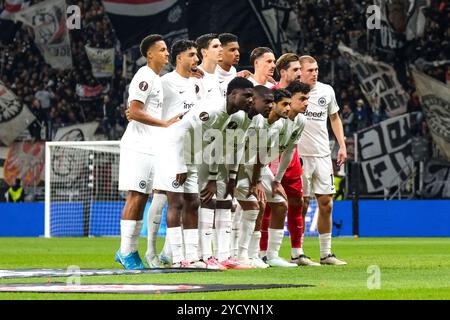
(226, 207)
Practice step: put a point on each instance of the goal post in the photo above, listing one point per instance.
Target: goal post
(81, 189)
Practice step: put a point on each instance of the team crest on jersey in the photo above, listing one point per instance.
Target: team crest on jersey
(322, 101)
(204, 116)
(142, 184)
(175, 184)
(232, 125)
(143, 85)
(197, 88)
(294, 134)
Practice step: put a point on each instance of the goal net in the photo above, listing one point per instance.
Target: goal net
(81, 189)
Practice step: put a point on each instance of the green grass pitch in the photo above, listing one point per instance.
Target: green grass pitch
(411, 268)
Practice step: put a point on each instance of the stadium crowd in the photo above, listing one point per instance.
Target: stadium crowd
(51, 94)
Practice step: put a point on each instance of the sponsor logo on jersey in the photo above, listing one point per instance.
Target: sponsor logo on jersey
(175, 184)
(210, 90)
(143, 85)
(310, 114)
(204, 116)
(142, 184)
(232, 125)
(322, 101)
(188, 105)
(181, 92)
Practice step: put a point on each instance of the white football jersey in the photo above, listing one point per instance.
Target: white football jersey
(267, 84)
(144, 87)
(314, 141)
(179, 94)
(225, 78)
(208, 86)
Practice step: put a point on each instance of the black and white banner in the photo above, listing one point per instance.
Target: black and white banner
(14, 116)
(437, 180)
(48, 20)
(384, 151)
(77, 132)
(434, 97)
(134, 19)
(280, 24)
(401, 21)
(378, 81)
(102, 61)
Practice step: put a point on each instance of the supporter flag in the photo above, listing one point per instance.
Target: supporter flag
(102, 61)
(256, 23)
(384, 151)
(14, 116)
(401, 21)
(77, 132)
(86, 93)
(378, 81)
(26, 161)
(48, 20)
(435, 99)
(132, 20)
(7, 26)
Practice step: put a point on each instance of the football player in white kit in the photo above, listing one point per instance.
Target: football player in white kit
(211, 51)
(137, 146)
(226, 71)
(179, 96)
(314, 150)
(254, 183)
(263, 59)
(208, 114)
(289, 137)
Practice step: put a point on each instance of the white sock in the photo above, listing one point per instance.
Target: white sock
(236, 221)
(262, 253)
(175, 241)
(205, 224)
(275, 240)
(215, 235)
(166, 248)
(253, 248)
(153, 221)
(223, 231)
(247, 226)
(129, 236)
(325, 244)
(191, 244)
(296, 252)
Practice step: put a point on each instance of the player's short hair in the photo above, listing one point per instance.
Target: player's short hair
(148, 42)
(239, 83)
(180, 46)
(285, 60)
(257, 53)
(297, 86)
(262, 90)
(279, 94)
(307, 59)
(204, 40)
(226, 38)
